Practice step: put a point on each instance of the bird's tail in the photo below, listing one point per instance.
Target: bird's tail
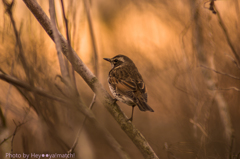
(143, 106)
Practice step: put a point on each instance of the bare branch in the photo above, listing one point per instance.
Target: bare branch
(2, 119)
(231, 148)
(19, 83)
(81, 127)
(93, 101)
(95, 63)
(199, 126)
(4, 140)
(230, 88)
(224, 28)
(84, 110)
(18, 40)
(14, 133)
(69, 47)
(57, 40)
(137, 138)
(78, 103)
(233, 60)
(222, 73)
(60, 90)
(92, 37)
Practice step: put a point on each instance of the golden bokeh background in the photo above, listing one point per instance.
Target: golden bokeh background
(163, 38)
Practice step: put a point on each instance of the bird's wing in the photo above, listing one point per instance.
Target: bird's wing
(143, 90)
(123, 86)
(141, 86)
(136, 91)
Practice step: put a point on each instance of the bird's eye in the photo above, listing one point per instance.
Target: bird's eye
(115, 60)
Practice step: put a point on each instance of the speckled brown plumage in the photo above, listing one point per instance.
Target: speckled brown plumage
(126, 83)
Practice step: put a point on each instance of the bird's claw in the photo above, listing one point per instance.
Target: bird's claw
(114, 101)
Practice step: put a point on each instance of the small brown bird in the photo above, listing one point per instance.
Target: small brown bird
(126, 83)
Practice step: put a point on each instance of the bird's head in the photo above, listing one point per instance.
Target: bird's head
(119, 61)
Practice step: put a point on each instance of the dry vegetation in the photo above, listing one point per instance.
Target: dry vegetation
(187, 55)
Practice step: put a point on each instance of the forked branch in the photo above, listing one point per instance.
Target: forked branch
(135, 135)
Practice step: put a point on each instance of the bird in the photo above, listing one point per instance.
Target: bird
(126, 83)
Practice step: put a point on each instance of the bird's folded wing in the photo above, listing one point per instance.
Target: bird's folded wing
(123, 86)
(141, 86)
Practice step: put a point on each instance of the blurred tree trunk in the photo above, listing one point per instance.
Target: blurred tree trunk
(203, 55)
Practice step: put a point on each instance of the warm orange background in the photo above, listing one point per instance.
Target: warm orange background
(150, 33)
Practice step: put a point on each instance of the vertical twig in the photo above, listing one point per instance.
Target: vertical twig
(69, 46)
(63, 68)
(92, 37)
(2, 119)
(237, 10)
(199, 43)
(238, 17)
(231, 148)
(95, 64)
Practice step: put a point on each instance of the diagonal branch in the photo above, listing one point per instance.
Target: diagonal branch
(14, 134)
(219, 72)
(135, 135)
(230, 88)
(77, 103)
(26, 86)
(22, 57)
(224, 28)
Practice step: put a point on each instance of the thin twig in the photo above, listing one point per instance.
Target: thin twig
(69, 47)
(95, 65)
(57, 40)
(230, 88)
(231, 148)
(222, 73)
(26, 86)
(224, 28)
(14, 133)
(81, 127)
(199, 126)
(2, 118)
(4, 140)
(27, 97)
(60, 90)
(92, 37)
(16, 129)
(81, 107)
(167, 147)
(233, 60)
(18, 41)
(96, 71)
(238, 17)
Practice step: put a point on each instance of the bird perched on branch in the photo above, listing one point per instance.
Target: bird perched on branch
(126, 83)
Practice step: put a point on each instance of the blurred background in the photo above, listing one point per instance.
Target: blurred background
(173, 43)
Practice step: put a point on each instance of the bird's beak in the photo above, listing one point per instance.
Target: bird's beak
(107, 59)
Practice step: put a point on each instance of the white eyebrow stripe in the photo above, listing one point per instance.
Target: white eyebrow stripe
(121, 59)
